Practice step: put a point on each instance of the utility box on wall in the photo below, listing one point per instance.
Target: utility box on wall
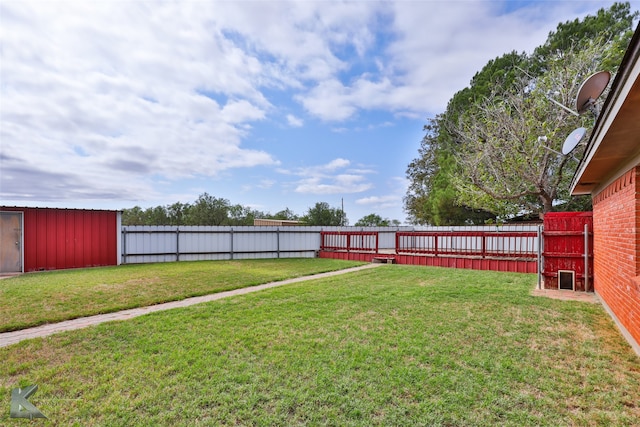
(49, 239)
(568, 251)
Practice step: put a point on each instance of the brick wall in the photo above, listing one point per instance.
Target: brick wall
(616, 226)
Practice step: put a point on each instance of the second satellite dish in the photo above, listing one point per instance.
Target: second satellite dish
(572, 140)
(590, 90)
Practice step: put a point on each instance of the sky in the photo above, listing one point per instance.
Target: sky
(268, 104)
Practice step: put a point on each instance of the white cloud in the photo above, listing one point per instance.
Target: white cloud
(240, 112)
(266, 183)
(381, 202)
(294, 121)
(335, 164)
(435, 50)
(329, 100)
(333, 177)
(262, 184)
(108, 96)
(113, 100)
(392, 201)
(335, 186)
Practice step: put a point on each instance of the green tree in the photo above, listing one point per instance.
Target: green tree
(614, 25)
(243, 215)
(373, 220)
(156, 216)
(430, 198)
(206, 210)
(133, 216)
(456, 177)
(178, 213)
(286, 214)
(209, 210)
(323, 214)
(509, 142)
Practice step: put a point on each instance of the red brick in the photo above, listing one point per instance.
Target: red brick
(616, 246)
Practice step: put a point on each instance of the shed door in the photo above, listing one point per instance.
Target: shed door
(10, 242)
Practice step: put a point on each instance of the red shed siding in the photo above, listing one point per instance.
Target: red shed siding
(68, 238)
(616, 223)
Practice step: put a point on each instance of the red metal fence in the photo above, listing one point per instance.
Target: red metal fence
(568, 251)
(562, 254)
(359, 241)
(515, 251)
(469, 243)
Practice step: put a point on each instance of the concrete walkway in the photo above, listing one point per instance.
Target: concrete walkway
(9, 338)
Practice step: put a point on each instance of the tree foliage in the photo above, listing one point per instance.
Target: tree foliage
(375, 220)
(481, 158)
(286, 214)
(323, 214)
(210, 210)
(509, 143)
(614, 25)
(431, 199)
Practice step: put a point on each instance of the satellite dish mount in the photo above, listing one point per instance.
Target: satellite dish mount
(590, 90)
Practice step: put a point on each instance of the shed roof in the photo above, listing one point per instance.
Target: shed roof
(614, 145)
(13, 208)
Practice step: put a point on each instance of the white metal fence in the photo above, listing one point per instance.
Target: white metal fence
(143, 244)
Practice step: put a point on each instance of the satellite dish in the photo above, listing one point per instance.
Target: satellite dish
(572, 140)
(590, 90)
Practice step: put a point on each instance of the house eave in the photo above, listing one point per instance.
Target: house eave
(615, 140)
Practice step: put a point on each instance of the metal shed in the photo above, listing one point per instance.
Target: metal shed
(33, 239)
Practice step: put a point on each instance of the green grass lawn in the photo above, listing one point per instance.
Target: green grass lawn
(36, 298)
(395, 345)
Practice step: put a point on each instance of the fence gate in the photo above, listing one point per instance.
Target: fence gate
(568, 251)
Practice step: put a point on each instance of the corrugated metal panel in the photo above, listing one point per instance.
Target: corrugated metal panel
(191, 243)
(386, 240)
(290, 240)
(68, 238)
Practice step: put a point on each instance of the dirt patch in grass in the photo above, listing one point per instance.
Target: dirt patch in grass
(565, 295)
